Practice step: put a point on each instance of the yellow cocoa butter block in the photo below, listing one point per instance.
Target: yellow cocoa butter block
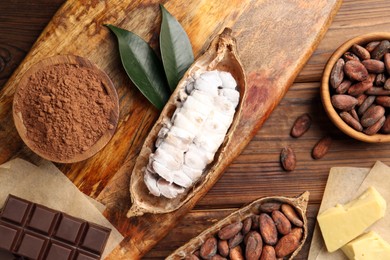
(369, 246)
(342, 223)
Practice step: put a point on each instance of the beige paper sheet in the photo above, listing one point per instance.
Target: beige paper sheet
(341, 185)
(49, 186)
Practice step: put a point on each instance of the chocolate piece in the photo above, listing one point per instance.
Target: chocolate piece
(34, 231)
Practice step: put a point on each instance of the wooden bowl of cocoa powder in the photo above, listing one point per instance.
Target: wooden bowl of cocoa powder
(353, 105)
(65, 108)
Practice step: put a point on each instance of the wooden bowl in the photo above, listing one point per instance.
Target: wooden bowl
(105, 83)
(325, 93)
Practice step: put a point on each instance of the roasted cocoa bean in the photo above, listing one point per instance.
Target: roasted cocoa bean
(386, 126)
(337, 73)
(361, 99)
(254, 246)
(375, 91)
(268, 253)
(268, 229)
(343, 87)
(288, 159)
(373, 129)
(302, 124)
(380, 50)
(217, 257)
(236, 253)
(351, 121)
(230, 231)
(354, 114)
(372, 45)
(298, 232)
(223, 248)
(374, 66)
(366, 104)
(386, 60)
(355, 70)
(361, 52)
(321, 148)
(208, 248)
(372, 115)
(386, 86)
(383, 101)
(268, 207)
(380, 79)
(283, 225)
(246, 225)
(286, 245)
(192, 257)
(350, 56)
(236, 240)
(290, 213)
(255, 222)
(343, 102)
(360, 87)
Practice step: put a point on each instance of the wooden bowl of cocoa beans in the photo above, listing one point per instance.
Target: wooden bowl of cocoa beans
(355, 88)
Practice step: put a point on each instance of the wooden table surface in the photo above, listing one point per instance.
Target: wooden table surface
(256, 172)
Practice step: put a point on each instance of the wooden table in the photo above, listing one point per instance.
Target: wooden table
(256, 172)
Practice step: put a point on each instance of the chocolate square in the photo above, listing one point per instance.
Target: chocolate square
(69, 229)
(15, 209)
(32, 246)
(95, 238)
(59, 252)
(8, 236)
(42, 219)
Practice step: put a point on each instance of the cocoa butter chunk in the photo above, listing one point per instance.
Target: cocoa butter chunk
(230, 231)
(370, 245)
(344, 102)
(355, 70)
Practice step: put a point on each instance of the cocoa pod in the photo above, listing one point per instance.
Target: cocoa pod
(360, 87)
(380, 79)
(386, 60)
(268, 229)
(361, 52)
(236, 253)
(372, 45)
(383, 101)
(286, 245)
(290, 213)
(374, 66)
(236, 240)
(301, 125)
(268, 253)
(354, 114)
(321, 148)
(372, 115)
(386, 85)
(366, 104)
(373, 129)
(208, 248)
(223, 248)
(343, 87)
(217, 257)
(355, 70)
(361, 99)
(380, 50)
(386, 126)
(255, 222)
(337, 73)
(288, 159)
(254, 246)
(230, 230)
(246, 225)
(375, 91)
(268, 207)
(283, 225)
(351, 121)
(350, 56)
(343, 102)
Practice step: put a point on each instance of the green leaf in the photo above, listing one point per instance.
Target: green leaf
(142, 66)
(175, 47)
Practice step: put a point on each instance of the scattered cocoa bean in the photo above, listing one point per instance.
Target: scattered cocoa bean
(236, 253)
(321, 147)
(283, 225)
(230, 230)
(301, 125)
(351, 121)
(343, 102)
(268, 229)
(236, 240)
(223, 248)
(380, 50)
(343, 87)
(208, 248)
(374, 66)
(383, 101)
(366, 104)
(288, 159)
(268, 253)
(372, 45)
(373, 129)
(337, 73)
(372, 115)
(290, 213)
(386, 126)
(254, 246)
(386, 60)
(246, 225)
(268, 207)
(355, 70)
(361, 52)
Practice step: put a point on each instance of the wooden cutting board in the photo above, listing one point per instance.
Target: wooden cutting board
(275, 39)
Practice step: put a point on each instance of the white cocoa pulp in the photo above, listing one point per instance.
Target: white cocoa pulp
(188, 141)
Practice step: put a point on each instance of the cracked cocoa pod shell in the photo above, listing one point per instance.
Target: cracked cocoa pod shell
(221, 55)
(299, 204)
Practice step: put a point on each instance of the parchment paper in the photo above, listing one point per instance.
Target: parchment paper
(48, 186)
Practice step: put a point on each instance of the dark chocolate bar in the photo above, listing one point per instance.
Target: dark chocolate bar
(37, 232)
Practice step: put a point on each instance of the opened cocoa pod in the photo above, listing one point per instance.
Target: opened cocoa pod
(180, 156)
(279, 228)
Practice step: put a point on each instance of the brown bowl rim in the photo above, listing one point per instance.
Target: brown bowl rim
(83, 62)
(325, 93)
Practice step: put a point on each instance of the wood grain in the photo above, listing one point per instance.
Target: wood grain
(261, 37)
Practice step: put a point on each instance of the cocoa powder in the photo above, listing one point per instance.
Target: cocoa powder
(65, 109)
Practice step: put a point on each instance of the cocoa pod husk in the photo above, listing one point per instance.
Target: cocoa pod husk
(373, 129)
(355, 70)
(223, 248)
(254, 246)
(268, 253)
(321, 148)
(301, 125)
(351, 121)
(209, 248)
(380, 50)
(288, 159)
(361, 52)
(344, 102)
(366, 104)
(291, 214)
(337, 73)
(230, 230)
(283, 225)
(372, 115)
(374, 66)
(268, 229)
